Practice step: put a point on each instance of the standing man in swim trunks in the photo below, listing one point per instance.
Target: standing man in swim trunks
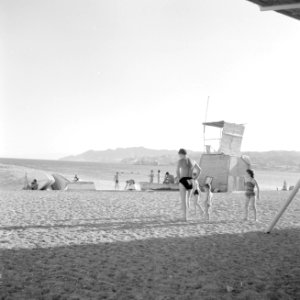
(116, 178)
(185, 169)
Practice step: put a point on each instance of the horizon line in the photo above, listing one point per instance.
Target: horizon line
(36, 157)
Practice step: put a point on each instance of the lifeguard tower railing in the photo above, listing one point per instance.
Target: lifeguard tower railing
(229, 140)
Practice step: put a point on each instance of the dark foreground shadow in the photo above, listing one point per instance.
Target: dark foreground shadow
(228, 266)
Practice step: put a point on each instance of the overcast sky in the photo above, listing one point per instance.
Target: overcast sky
(94, 74)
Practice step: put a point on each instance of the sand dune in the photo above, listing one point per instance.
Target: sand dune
(129, 245)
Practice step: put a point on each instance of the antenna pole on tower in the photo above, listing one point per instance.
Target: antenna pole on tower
(206, 113)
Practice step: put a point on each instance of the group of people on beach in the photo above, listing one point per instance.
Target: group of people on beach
(168, 179)
(188, 172)
(130, 184)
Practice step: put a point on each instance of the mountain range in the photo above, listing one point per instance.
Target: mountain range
(280, 160)
(133, 155)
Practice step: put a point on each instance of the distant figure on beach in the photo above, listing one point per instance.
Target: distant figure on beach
(26, 183)
(116, 179)
(130, 185)
(158, 176)
(284, 188)
(151, 176)
(207, 201)
(195, 194)
(167, 178)
(184, 171)
(76, 178)
(250, 185)
(34, 185)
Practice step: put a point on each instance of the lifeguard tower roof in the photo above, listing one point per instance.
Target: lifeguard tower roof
(219, 124)
(232, 136)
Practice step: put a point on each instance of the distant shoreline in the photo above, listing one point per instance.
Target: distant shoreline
(12, 172)
(293, 169)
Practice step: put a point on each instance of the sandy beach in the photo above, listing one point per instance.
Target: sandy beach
(130, 245)
(112, 112)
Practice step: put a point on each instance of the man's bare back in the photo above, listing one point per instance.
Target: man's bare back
(184, 168)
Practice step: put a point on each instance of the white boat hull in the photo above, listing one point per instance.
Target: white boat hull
(158, 187)
(81, 186)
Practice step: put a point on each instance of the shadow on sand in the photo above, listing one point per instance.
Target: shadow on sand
(224, 266)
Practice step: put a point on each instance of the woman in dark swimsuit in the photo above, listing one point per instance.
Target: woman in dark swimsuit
(250, 185)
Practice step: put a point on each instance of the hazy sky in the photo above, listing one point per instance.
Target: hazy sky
(94, 74)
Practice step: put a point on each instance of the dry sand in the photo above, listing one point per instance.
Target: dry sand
(128, 245)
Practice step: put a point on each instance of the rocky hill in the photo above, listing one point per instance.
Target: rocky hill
(279, 160)
(134, 155)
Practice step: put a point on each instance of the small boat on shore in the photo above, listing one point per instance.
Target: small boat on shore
(146, 186)
(62, 183)
(81, 186)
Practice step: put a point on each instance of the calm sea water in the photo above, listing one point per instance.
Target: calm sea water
(102, 174)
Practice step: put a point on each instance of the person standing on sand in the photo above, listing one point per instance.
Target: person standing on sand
(207, 200)
(250, 184)
(185, 169)
(151, 176)
(158, 176)
(195, 194)
(116, 178)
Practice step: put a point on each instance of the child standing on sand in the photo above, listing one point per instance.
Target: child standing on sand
(195, 194)
(250, 184)
(207, 200)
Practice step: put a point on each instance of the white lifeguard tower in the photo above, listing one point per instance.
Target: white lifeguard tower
(222, 164)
